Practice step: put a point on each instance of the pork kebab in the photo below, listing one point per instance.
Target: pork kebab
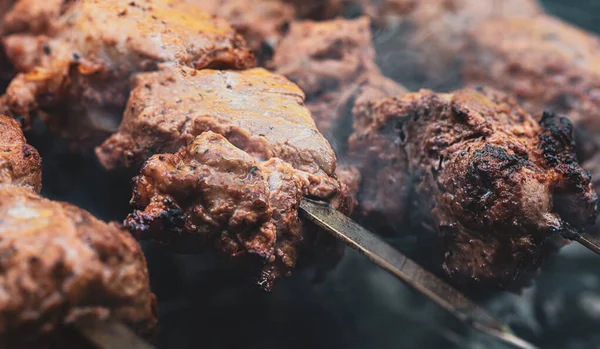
(60, 265)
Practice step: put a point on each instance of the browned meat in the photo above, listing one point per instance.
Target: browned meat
(32, 16)
(20, 163)
(60, 264)
(495, 185)
(261, 22)
(333, 62)
(77, 68)
(212, 193)
(6, 71)
(424, 39)
(240, 190)
(546, 63)
(257, 111)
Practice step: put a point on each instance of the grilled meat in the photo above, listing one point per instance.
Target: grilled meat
(77, 68)
(238, 188)
(60, 264)
(423, 40)
(491, 182)
(261, 22)
(20, 163)
(333, 62)
(547, 64)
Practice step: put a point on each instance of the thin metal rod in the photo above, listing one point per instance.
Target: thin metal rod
(408, 271)
(110, 334)
(588, 241)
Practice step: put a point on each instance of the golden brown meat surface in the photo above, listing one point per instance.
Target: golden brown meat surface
(77, 69)
(333, 62)
(60, 264)
(248, 151)
(20, 163)
(257, 111)
(422, 40)
(495, 185)
(261, 22)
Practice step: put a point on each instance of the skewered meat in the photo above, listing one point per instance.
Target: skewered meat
(261, 22)
(333, 62)
(240, 190)
(544, 62)
(77, 69)
(20, 163)
(424, 39)
(60, 264)
(493, 184)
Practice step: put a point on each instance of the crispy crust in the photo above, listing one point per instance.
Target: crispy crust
(494, 184)
(76, 67)
(60, 264)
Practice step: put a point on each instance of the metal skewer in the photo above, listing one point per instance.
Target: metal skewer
(588, 241)
(110, 334)
(409, 272)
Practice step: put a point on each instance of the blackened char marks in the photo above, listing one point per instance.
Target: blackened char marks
(491, 183)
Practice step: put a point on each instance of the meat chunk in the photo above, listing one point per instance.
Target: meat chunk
(257, 111)
(492, 183)
(20, 163)
(31, 16)
(333, 62)
(60, 264)
(212, 193)
(248, 152)
(422, 40)
(77, 69)
(546, 63)
(261, 22)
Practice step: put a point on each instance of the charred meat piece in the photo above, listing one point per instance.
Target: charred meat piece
(213, 194)
(261, 22)
(60, 264)
(493, 184)
(421, 41)
(546, 63)
(240, 190)
(77, 69)
(333, 62)
(20, 163)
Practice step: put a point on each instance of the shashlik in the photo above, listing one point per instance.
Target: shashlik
(493, 184)
(248, 151)
(75, 67)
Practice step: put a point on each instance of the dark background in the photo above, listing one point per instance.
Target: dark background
(206, 304)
